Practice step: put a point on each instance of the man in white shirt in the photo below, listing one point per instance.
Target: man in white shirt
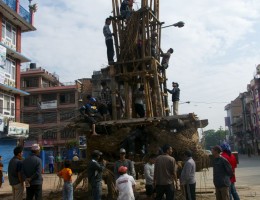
(149, 173)
(125, 185)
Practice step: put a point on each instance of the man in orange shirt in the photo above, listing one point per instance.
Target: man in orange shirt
(66, 174)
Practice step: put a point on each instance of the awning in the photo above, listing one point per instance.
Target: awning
(15, 54)
(13, 90)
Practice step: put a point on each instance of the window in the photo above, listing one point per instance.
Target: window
(7, 105)
(49, 135)
(67, 98)
(50, 117)
(66, 115)
(31, 100)
(9, 69)
(8, 34)
(68, 133)
(31, 82)
(49, 97)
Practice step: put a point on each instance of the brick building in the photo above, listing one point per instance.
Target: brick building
(15, 20)
(49, 108)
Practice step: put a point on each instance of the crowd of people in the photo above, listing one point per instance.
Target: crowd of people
(160, 174)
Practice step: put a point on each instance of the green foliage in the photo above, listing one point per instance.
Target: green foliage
(211, 138)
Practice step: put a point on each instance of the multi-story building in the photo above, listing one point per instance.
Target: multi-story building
(50, 106)
(243, 117)
(234, 121)
(15, 20)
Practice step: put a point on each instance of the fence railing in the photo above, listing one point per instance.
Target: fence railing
(22, 11)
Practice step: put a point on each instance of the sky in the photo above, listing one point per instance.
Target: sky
(215, 53)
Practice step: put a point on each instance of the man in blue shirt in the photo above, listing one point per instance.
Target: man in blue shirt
(15, 175)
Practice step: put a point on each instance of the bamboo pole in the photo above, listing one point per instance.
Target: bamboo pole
(157, 89)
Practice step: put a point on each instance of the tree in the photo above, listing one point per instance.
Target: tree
(211, 138)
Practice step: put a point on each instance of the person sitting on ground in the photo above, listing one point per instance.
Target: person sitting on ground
(165, 59)
(125, 185)
(66, 174)
(125, 9)
(89, 112)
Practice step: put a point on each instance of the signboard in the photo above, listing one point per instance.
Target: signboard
(2, 56)
(16, 129)
(48, 104)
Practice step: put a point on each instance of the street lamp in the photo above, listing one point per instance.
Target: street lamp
(179, 24)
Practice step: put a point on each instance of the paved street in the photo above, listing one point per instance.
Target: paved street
(248, 179)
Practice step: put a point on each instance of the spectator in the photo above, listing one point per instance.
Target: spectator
(109, 41)
(32, 172)
(188, 176)
(139, 102)
(149, 174)
(131, 157)
(165, 174)
(15, 174)
(66, 175)
(226, 153)
(95, 169)
(51, 163)
(123, 162)
(125, 185)
(175, 97)
(222, 171)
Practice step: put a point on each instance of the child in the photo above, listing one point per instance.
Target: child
(66, 173)
(125, 184)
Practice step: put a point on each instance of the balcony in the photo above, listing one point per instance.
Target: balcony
(21, 18)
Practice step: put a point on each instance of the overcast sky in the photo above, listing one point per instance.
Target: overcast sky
(215, 56)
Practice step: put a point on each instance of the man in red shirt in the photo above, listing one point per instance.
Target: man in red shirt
(226, 153)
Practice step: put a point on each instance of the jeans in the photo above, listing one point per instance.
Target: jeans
(190, 191)
(67, 192)
(233, 192)
(139, 109)
(34, 191)
(51, 168)
(168, 190)
(97, 190)
(110, 50)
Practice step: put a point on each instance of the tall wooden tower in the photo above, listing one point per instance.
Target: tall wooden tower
(137, 43)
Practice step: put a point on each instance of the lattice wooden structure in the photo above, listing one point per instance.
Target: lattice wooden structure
(135, 63)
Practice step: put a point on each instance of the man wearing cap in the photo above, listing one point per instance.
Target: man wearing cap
(222, 171)
(88, 112)
(175, 97)
(32, 172)
(95, 169)
(125, 185)
(226, 153)
(123, 162)
(188, 176)
(165, 174)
